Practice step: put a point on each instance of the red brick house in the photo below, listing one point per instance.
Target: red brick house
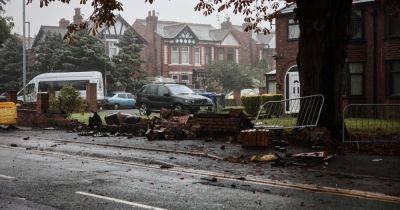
(182, 51)
(372, 72)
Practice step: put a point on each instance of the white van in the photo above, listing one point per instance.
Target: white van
(55, 81)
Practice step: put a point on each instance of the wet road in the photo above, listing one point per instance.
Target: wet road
(35, 179)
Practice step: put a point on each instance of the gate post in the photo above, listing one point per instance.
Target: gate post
(42, 103)
(91, 97)
(12, 96)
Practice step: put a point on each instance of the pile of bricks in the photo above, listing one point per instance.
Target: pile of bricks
(221, 124)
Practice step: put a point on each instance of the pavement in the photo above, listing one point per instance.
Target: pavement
(55, 169)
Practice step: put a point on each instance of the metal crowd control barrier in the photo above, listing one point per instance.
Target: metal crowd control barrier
(291, 113)
(367, 123)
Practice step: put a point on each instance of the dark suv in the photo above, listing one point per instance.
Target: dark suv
(178, 97)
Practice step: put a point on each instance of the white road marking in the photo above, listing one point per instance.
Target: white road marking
(6, 177)
(120, 201)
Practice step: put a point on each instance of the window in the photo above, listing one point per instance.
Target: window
(185, 54)
(220, 54)
(355, 79)
(30, 88)
(293, 29)
(231, 55)
(393, 77)
(112, 49)
(151, 90)
(271, 81)
(357, 29)
(162, 90)
(208, 55)
(46, 86)
(165, 54)
(174, 55)
(392, 23)
(121, 95)
(175, 77)
(185, 78)
(196, 56)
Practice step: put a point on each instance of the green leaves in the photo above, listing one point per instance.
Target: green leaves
(127, 63)
(10, 64)
(86, 53)
(228, 76)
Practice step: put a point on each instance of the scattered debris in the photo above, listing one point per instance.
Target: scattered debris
(377, 160)
(263, 158)
(13, 145)
(95, 121)
(210, 179)
(165, 166)
(317, 155)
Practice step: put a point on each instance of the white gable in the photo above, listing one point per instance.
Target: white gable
(230, 40)
(116, 30)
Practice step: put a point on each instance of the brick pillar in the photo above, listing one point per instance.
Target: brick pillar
(262, 90)
(12, 96)
(91, 97)
(52, 95)
(237, 97)
(42, 103)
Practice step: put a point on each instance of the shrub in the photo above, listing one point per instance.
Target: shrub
(252, 104)
(68, 101)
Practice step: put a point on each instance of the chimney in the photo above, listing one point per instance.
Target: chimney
(226, 24)
(63, 23)
(78, 17)
(150, 33)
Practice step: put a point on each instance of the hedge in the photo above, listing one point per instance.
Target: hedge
(251, 104)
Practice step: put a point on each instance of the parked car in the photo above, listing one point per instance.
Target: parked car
(119, 100)
(243, 92)
(178, 97)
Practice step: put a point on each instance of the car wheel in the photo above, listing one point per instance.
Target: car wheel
(116, 106)
(144, 110)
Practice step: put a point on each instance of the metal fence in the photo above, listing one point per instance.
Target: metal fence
(371, 123)
(290, 113)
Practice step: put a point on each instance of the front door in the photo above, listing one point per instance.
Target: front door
(292, 92)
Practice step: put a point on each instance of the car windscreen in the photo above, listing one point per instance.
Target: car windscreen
(180, 89)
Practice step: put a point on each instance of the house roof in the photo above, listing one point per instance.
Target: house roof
(118, 17)
(265, 39)
(290, 7)
(169, 29)
(204, 32)
(61, 30)
(48, 29)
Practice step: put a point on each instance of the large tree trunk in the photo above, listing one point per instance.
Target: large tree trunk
(322, 52)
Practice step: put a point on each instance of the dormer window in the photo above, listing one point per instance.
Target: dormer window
(185, 37)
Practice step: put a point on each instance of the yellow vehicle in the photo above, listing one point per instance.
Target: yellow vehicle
(8, 113)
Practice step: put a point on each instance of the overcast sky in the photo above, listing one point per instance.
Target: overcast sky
(176, 10)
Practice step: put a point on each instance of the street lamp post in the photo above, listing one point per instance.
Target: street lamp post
(23, 51)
